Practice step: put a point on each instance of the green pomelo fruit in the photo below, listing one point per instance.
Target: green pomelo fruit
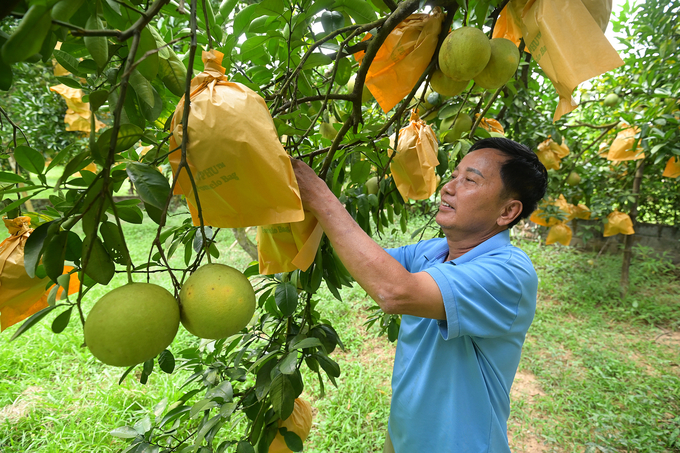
(328, 131)
(464, 53)
(462, 125)
(573, 179)
(132, 324)
(372, 186)
(611, 100)
(216, 301)
(501, 66)
(446, 86)
(365, 93)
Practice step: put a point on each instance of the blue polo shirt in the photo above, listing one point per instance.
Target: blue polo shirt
(452, 378)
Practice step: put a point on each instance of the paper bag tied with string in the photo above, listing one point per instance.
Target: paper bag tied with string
(78, 113)
(402, 58)
(20, 295)
(618, 222)
(288, 246)
(672, 169)
(243, 175)
(622, 147)
(415, 161)
(559, 233)
(566, 38)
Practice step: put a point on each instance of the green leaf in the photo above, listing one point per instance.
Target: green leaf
(150, 184)
(310, 342)
(8, 176)
(142, 88)
(130, 214)
(69, 62)
(100, 267)
(264, 378)
(128, 135)
(286, 298)
(113, 16)
(359, 10)
(124, 432)
(293, 441)
(173, 73)
(283, 396)
(149, 66)
(289, 362)
(97, 99)
(61, 321)
(30, 159)
(53, 256)
(244, 447)
(113, 241)
(331, 368)
(98, 46)
(317, 59)
(6, 76)
(28, 36)
(77, 163)
(70, 82)
(30, 322)
(34, 246)
(151, 113)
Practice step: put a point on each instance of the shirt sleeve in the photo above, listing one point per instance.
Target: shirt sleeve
(482, 297)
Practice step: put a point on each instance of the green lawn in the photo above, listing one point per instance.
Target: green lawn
(598, 374)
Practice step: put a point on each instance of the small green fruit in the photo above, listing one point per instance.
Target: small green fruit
(573, 179)
(611, 100)
(328, 131)
(372, 186)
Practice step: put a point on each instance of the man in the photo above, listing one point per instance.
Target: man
(467, 300)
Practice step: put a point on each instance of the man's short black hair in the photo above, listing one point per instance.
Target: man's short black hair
(524, 176)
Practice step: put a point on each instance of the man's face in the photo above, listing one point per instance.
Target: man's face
(473, 200)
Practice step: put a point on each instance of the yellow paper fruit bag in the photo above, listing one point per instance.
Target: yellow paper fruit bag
(540, 217)
(672, 169)
(622, 147)
(551, 154)
(491, 125)
(243, 175)
(580, 212)
(414, 164)
(618, 222)
(559, 233)
(20, 295)
(566, 38)
(285, 247)
(300, 422)
(403, 57)
(78, 113)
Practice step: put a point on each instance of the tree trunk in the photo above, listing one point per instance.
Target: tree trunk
(245, 242)
(628, 242)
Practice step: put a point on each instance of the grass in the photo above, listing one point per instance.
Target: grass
(600, 372)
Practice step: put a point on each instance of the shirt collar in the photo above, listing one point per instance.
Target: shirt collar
(501, 239)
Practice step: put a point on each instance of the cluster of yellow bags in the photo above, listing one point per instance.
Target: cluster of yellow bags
(617, 222)
(20, 295)
(566, 38)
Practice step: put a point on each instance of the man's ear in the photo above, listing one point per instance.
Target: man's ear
(510, 212)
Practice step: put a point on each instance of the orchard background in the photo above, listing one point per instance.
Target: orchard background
(298, 55)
